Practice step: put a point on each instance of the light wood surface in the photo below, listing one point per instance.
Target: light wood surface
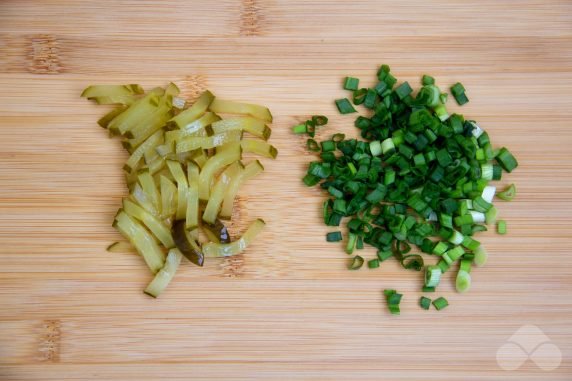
(287, 309)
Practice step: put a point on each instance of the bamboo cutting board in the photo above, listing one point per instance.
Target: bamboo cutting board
(287, 309)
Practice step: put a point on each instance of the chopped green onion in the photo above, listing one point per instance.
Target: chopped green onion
(432, 276)
(466, 263)
(488, 193)
(441, 112)
(478, 217)
(328, 146)
(419, 177)
(440, 303)
(427, 80)
(334, 236)
(338, 137)
(351, 83)
(359, 96)
(425, 303)
(508, 194)
(487, 171)
(403, 90)
(440, 248)
(375, 148)
(383, 255)
(387, 146)
(481, 256)
(299, 129)
(506, 160)
(356, 263)
(319, 120)
(428, 289)
(501, 227)
(458, 91)
(373, 263)
(370, 99)
(344, 106)
(491, 216)
(463, 281)
(393, 301)
(312, 145)
(443, 265)
(456, 238)
(352, 240)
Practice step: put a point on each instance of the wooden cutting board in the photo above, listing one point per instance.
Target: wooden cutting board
(287, 309)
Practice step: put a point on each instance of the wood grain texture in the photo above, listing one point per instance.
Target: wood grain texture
(287, 309)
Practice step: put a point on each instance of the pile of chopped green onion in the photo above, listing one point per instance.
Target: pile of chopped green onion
(419, 182)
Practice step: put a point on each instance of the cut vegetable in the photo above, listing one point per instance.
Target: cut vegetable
(440, 303)
(253, 126)
(188, 246)
(432, 276)
(217, 232)
(153, 224)
(226, 250)
(141, 239)
(222, 159)
(251, 170)
(481, 256)
(165, 275)
(175, 162)
(501, 227)
(219, 190)
(259, 147)
(178, 174)
(425, 303)
(508, 194)
(463, 281)
(194, 143)
(194, 112)
(230, 107)
(393, 300)
(419, 178)
(192, 220)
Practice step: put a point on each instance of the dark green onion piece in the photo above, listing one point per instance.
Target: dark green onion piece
(403, 90)
(383, 255)
(425, 303)
(344, 106)
(310, 128)
(359, 97)
(458, 91)
(328, 146)
(428, 289)
(440, 303)
(319, 120)
(370, 99)
(312, 145)
(356, 263)
(351, 83)
(393, 299)
(427, 80)
(334, 236)
(506, 160)
(338, 137)
(373, 263)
